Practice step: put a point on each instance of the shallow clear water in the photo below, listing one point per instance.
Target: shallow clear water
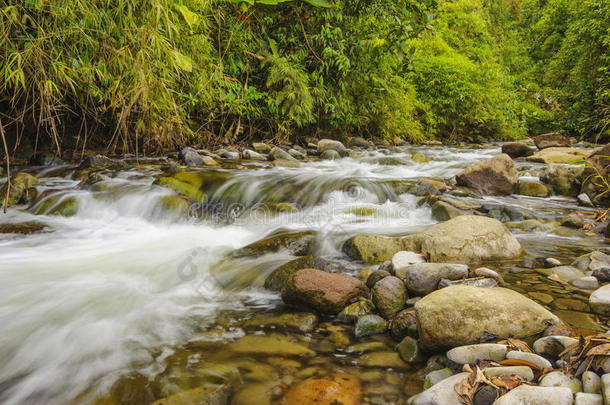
(116, 288)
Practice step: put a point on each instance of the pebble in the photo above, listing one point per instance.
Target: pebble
(551, 346)
(591, 383)
(560, 379)
(441, 393)
(606, 388)
(436, 376)
(529, 395)
(588, 399)
(403, 259)
(522, 371)
(586, 283)
(531, 357)
(600, 300)
(551, 262)
(471, 353)
(370, 325)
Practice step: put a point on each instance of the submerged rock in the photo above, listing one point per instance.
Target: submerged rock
(462, 315)
(324, 292)
(24, 228)
(534, 189)
(436, 376)
(296, 322)
(210, 394)
(332, 389)
(353, 311)
(370, 325)
(409, 350)
(330, 155)
(496, 176)
(270, 345)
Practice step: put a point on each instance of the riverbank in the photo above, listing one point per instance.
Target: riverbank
(155, 280)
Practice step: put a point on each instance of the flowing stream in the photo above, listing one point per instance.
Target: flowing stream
(109, 296)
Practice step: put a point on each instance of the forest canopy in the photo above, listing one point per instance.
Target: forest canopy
(163, 73)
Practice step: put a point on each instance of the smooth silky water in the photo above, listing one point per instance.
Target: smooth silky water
(125, 302)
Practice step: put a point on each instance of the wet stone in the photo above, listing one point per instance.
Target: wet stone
(587, 282)
(541, 297)
(204, 395)
(389, 296)
(375, 277)
(332, 389)
(297, 322)
(351, 312)
(404, 324)
(370, 325)
(409, 350)
(486, 395)
(382, 360)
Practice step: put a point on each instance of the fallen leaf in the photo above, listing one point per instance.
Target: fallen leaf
(519, 362)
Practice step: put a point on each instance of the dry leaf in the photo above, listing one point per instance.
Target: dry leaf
(518, 362)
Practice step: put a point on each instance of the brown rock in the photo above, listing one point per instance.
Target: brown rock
(495, 176)
(516, 149)
(332, 389)
(595, 174)
(322, 291)
(551, 140)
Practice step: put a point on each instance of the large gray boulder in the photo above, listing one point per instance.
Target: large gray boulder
(495, 176)
(467, 238)
(463, 315)
(330, 144)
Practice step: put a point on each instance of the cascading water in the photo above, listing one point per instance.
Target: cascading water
(116, 287)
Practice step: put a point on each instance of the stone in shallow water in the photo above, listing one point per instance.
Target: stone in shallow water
(423, 278)
(496, 176)
(560, 379)
(383, 360)
(461, 315)
(471, 353)
(586, 283)
(271, 345)
(436, 376)
(297, 322)
(324, 292)
(531, 395)
(370, 325)
(404, 324)
(332, 389)
(592, 261)
(210, 394)
(24, 228)
(600, 300)
(565, 273)
(531, 357)
(541, 297)
(409, 350)
(351, 312)
(389, 296)
(277, 279)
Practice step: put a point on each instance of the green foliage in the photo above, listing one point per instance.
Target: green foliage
(161, 73)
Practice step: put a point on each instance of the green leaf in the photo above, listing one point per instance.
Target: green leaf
(318, 3)
(183, 62)
(190, 17)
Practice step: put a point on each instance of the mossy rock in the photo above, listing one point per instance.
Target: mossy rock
(534, 189)
(209, 394)
(420, 158)
(298, 243)
(277, 279)
(361, 211)
(23, 228)
(20, 183)
(57, 204)
(175, 204)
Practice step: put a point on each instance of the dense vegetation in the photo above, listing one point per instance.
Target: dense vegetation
(161, 73)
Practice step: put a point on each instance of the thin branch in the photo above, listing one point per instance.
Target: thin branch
(8, 168)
